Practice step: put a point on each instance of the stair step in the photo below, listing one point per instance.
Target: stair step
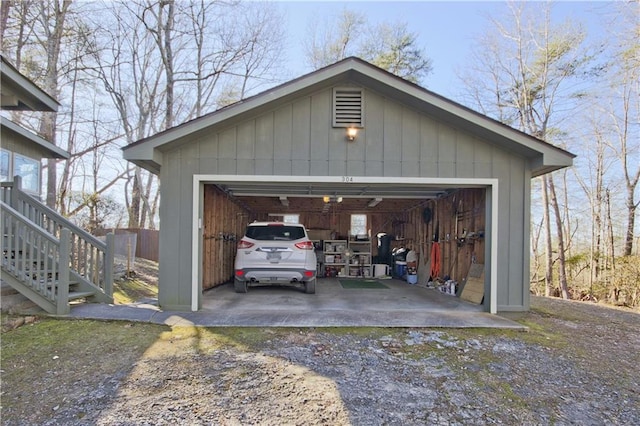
(80, 294)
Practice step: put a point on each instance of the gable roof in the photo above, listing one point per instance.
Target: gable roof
(21, 94)
(544, 156)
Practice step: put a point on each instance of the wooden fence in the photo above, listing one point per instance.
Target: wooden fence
(148, 241)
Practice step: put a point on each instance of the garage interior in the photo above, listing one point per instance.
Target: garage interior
(408, 218)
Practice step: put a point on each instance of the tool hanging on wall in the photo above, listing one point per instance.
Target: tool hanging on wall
(436, 258)
(427, 214)
(436, 255)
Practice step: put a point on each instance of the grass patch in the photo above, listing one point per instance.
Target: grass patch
(132, 290)
(249, 337)
(54, 354)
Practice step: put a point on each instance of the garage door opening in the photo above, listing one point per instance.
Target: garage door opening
(401, 217)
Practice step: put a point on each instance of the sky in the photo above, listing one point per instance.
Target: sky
(446, 29)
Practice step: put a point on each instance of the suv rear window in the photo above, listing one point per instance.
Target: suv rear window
(275, 232)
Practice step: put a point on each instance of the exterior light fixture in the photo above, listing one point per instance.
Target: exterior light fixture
(374, 202)
(352, 132)
(331, 199)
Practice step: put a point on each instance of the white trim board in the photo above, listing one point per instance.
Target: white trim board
(200, 180)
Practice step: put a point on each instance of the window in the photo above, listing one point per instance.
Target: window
(275, 232)
(291, 218)
(5, 165)
(12, 164)
(286, 218)
(359, 224)
(29, 170)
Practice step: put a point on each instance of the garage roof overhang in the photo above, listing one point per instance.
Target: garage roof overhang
(21, 94)
(543, 157)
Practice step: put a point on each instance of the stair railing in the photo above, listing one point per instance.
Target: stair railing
(37, 259)
(91, 260)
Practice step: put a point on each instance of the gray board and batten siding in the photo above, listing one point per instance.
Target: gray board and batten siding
(396, 141)
(402, 136)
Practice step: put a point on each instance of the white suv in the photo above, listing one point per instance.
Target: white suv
(275, 253)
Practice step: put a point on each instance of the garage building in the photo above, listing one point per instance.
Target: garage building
(348, 139)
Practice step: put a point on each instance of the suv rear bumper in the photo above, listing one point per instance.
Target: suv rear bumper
(274, 276)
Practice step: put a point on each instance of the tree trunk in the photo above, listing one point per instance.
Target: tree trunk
(48, 122)
(596, 236)
(169, 64)
(134, 206)
(611, 266)
(562, 271)
(632, 206)
(548, 276)
(4, 17)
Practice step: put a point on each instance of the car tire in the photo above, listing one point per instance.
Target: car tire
(310, 287)
(240, 286)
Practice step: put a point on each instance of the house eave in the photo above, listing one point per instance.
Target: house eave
(20, 93)
(144, 156)
(48, 149)
(148, 165)
(542, 165)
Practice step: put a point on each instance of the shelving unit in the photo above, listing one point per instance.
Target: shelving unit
(335, 263)
(317, 246)
(360, 261)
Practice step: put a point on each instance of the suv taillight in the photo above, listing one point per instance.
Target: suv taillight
(244, 244)
(305, 245)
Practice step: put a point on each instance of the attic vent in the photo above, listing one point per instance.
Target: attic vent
(347, 107)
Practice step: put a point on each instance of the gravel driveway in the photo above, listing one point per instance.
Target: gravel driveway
(578, 364)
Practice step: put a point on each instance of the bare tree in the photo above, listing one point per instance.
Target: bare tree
(625, 111)
(523, 72)
(162, 62)
(44, 40)
(592, 180)
(53, 16)
(125, 62)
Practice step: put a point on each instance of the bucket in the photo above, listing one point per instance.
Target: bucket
(412, 278)
(380, 270)
(401, 268)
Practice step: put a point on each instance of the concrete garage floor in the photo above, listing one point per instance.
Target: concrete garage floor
(401, 305)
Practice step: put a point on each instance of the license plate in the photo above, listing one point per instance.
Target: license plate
(273, 257)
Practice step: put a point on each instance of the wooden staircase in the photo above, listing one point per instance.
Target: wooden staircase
(47, 258)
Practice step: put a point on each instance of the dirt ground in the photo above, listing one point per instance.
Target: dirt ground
(577, 364)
